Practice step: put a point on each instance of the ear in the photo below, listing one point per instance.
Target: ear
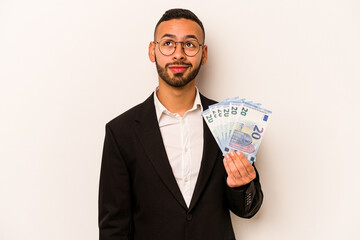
(204, 55)
(152, 51)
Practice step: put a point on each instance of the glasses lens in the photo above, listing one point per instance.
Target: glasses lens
(167, 47)
(191, 48)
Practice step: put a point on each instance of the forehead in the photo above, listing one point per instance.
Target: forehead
(180, 28)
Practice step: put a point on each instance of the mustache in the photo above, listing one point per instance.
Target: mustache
(178, 63)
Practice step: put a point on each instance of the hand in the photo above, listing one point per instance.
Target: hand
(239, 169)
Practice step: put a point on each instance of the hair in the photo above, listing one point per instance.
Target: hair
(178, 13)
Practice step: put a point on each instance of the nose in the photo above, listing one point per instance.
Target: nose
(179, 52)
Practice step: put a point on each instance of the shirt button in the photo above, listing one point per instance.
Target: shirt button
(182, 121)
(185, 149)
(186, 179)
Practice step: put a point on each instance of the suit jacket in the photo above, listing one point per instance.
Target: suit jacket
(139, 198)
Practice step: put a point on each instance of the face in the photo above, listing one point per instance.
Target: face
(178, 69)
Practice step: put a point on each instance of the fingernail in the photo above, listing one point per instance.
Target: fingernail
(232, 153)
(238, 153)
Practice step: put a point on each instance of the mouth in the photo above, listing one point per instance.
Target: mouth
(178, 68)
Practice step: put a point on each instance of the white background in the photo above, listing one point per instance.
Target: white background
(67, 67)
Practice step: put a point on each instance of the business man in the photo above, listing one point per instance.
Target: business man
(163, 176)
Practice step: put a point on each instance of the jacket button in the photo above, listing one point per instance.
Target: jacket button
(189, 217)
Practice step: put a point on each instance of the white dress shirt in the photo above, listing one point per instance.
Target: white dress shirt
(183, 140)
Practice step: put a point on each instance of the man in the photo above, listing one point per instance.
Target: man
(163, 176)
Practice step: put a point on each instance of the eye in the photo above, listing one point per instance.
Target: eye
(189, 45)
(168, 43)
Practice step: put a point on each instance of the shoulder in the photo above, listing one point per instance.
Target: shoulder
(206, 102)
(131, 114)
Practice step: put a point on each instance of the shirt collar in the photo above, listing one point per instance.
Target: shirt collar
(160, 109)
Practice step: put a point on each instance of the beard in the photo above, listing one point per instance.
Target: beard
(178, 80)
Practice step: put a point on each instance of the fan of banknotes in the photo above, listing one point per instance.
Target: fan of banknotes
(237, 125)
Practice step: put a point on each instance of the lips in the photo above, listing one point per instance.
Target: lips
(178, 69)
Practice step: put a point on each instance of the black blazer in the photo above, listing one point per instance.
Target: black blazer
(139, 198)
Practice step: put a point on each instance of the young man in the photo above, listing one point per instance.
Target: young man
(163, 176)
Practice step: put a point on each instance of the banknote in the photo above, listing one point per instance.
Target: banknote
(237, 125)
(209, 119)
(248, 130)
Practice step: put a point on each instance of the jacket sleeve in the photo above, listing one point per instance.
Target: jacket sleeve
(245, 201)
(115, 215)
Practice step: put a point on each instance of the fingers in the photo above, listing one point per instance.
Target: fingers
(232, 169)
(231, 180)
(238, 168)
(239, 163)
(250, 170)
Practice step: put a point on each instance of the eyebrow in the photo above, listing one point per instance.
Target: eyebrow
(173, 36)
(168, 35)
(191, 36)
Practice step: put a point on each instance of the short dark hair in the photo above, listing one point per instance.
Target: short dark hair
(178, 13)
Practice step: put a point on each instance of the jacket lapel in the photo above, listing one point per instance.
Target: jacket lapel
(209, 157)
(148, 131)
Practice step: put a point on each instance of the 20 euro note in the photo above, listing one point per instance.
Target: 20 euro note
(215, 117)
(248, 130)
(237, 125)
(220, 112)
(210, 121)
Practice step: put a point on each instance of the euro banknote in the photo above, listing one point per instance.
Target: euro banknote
(237, 125)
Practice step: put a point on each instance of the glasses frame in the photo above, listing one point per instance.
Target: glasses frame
(182, 46)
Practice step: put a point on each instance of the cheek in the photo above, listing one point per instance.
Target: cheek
(161, 59)
(196, 62)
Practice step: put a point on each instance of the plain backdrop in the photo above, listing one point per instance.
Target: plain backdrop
(67, 67)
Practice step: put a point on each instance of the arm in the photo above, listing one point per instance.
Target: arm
(243, 189)
(115, 214)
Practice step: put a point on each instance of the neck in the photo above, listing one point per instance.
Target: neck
(177, 100)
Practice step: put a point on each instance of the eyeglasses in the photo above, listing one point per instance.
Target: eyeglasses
(190, 47)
